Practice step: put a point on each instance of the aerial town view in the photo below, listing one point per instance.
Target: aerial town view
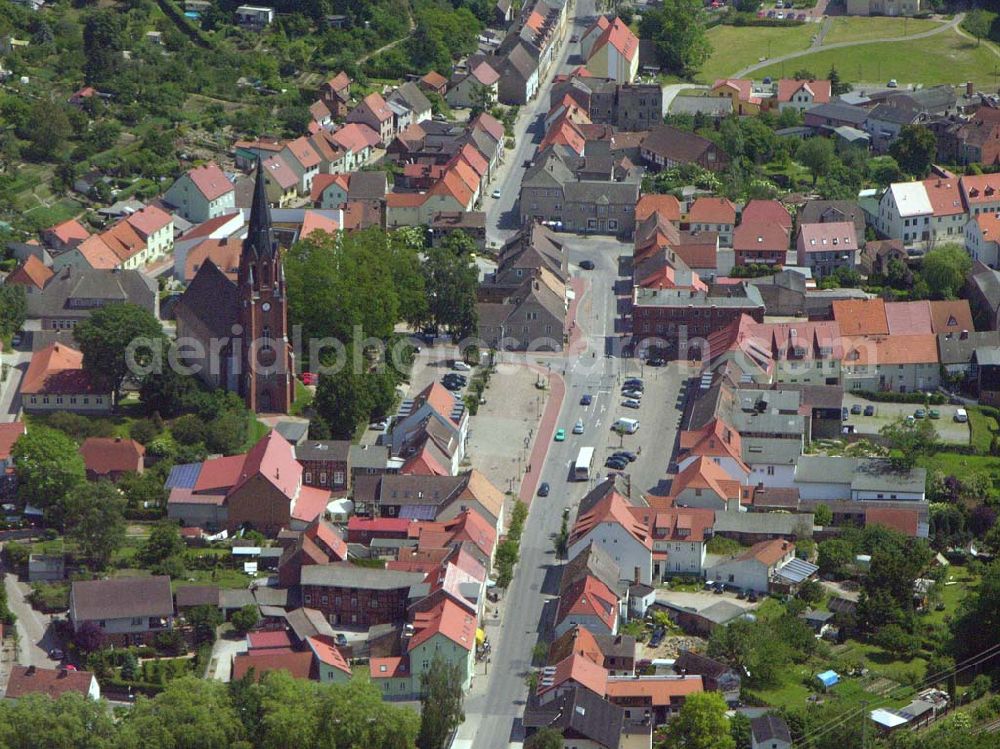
(500, 374)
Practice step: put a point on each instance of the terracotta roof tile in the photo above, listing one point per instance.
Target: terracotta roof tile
(210, 180)
(107, 455)
(861, 316)
(712, 211)
(31, 272)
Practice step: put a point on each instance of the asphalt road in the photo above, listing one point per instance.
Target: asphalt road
(35, 633)
(502, 217)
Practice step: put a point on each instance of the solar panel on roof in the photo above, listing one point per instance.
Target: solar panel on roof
(183, 476)
(798, 570)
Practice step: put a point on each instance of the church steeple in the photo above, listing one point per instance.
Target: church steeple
(260, 243)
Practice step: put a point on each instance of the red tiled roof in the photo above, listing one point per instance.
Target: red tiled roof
(389, 668)
(223, 253)
(660, 691)
(377, 525)
(904, 521)
(434, 80)
(56, 369)
(828, 236)
(310, 504)
(149, 220)
(299, 665)
(277, 169)
(665, 205)
(712, 211)
(767, 552)
(326, 651)
(339, 82)
(446, 618)
(356, 137)
(321, 182)
(207, 228)
(893, 349)
(743, 86)
(612, 508)
(908, 318)
(377, 106)
(97, 253)
(820, 90)
(619, 36)
(69, 230)
(485, 74)
(760, 235)
(491, 125)
(945, 196)
(588, 596)
(981, 188)
(210, 180)
(437, 397)
(274, 459)
(9, 434)
(861, 316)
(53, 682)
(951, 316)
(579, 669)
(766, 211)
(107, 455)
(303, 152)
(31, 272)
(705, 473)
(266, 640)
(313, 221)
(219, 473)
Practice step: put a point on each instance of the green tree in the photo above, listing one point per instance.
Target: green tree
(343, 401)
(245, 619)
(49, 131)
(451, 281)
(945, 268)
(701, 724)
(977, 624)
(103, 42)
(204, 619)
(49, 468)
(822, 515)
(13, 308)
(73, 720)
(908, 441)
(739, 729)
(837, 86)
(914, 150)
(884, 170)
(833, 556)
(547, 738)
(979, 22)
(95, 521)
(804, 74)
(816, 155)
(677, 28)
(114, 338)
(440, 704)
(164, 541)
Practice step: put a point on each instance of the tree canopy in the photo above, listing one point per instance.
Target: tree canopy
(49, 468)
(914, 150)
(677, 28)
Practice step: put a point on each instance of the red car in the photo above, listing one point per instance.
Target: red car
(309, 378)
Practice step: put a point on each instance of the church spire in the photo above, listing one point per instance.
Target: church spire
(260, 239)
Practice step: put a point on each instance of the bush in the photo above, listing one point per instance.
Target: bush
(933, 399)
(49, 597)
(245, 619)
(143, 431)
(17, 554)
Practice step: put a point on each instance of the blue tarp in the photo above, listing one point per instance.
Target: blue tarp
(829, 678)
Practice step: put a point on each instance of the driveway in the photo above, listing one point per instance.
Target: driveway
(220, 666)
(34, 630)
(886, 413)
(10, 398)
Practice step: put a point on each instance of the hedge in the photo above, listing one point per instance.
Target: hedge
(934, 399)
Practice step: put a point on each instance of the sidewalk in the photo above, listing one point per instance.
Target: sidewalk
(543, 438)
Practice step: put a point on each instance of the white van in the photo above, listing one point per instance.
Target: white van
(961, 415)
(629, 426)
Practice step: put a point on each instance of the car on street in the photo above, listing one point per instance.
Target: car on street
(844, 413)
(586, 399)
(560, 435)
(574, 39)
(893, 83)
(587, 264)
(655, 361)
(578, 427)
(496, 193)
(869, 410)
(856, 408)
(631, 403)
(460, 366)
(543, 489)
(626, 454)
(919, 414)
(379, 426)
(617, 464)
(934, 414)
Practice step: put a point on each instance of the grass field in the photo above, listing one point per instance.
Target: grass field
(983, 429)
(945, 58)
(735, 47)
(851, 29)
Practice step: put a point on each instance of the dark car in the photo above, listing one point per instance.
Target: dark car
(617, 464)
(543, 489)
(452, 385)
(719, 589)
(844, 413)
(633, 383)
(626, 454)
(340, 639)
(586, 399)
(658, 634)
(856, 409)
(752, 597)
(869, 410)
(655, 361)
(587, 264)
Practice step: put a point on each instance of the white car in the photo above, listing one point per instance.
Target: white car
(496, 193)
(461, 366)
(578, 427)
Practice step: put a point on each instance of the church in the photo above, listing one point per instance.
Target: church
(235, 332)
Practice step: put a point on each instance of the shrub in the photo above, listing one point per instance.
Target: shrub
(245, 619)
(143, 431)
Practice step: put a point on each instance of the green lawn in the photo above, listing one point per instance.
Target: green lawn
(735, 47)
(303, 398)
(983, 429)
(850, 29)
(945, 58)
(953, 464)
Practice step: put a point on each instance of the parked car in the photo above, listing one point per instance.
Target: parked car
(658, 634)
(578, 427)
(634, 382)
(587, 264)
(843, 413)
(460, 366)
(892, 83)
(543, 489)
(631, 403)
(617, 464)
(452, 385)
(586, 399)
(934, 414)
(630, 393)
(655, 361)
(379, 426)
(496, 193)
(869, 410)
(560, 435)
(856, 408)
(626, 454)
(961, 415)
(919, 414)
(752, 597)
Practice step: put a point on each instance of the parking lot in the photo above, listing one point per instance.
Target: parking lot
(885, 413)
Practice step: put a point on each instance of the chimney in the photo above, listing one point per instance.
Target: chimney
(30, 671)
(635, 575)
(970, 88)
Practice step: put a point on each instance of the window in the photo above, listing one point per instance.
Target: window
(322, 478)
(309, 477)
(136, 621)
(324, 600)
(308, 598)
(338, 478)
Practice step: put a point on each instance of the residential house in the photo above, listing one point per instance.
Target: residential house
(202, 193)
(825, 247)
(331, 665)
(823, 478)
(982, 238)
(834, 211)
(478, 86)
(769, 731)
(319, 543)
(615, 53)
(922, 213)
(587, 602)
(56, 381)
(519, 74)
(666, 147)
(24, 681)
(532, 317)
(376, 114)
(680, 535)
(410, 97)
(329, 191)
(760, 241)
(325, 464)
(111, 457)
(744, 98)
(831, 115)
(658, 697)
(611, 525)
(638, 106)
(336, 95)
(986, 365)
(900, 363)
(983, 285)
(711, 214)
(280, 182)
(30, 273)
(297, 664)
(716, 676)
(353, 596)
(592, 33)
(704, 483)
(956, 350)
(977, 138)
(802, 95)
(65, 236)
(433, 82)
(616, 654)
(581, 717)
(300, 156)
(72, 295)
(156, 228)
(254, 17)
(754, 568)
(125, 610)
(436, 415)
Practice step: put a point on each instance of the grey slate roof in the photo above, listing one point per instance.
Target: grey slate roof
(323, 450)
(861, 474)
(898, 114)
(121, 598)
(715, 106)
(412, 96)
(779, 523)
(956, 350)
(593, 560)
(346, 575)
(367, 186)
(840, 111)
(988, 356)
(770, 728)
(102, 286)
(579, 712)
